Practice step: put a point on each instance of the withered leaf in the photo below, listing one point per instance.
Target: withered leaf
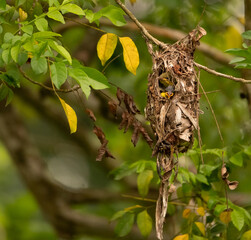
(130, 105)
(232, 184)
(135, 135)
(113, 108)
(224, 172)
(91, 114)
(120, 95)
(127, 120)
(102, 151)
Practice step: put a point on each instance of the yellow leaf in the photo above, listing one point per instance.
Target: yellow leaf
(201, 211)
(246, 235)
(182, 237)
(132, 1)
(106, 46)
(201, 227)
(70, 114)
(22, 15)
(232, 38)
(130, 53)
(225, 217)
(186, 213)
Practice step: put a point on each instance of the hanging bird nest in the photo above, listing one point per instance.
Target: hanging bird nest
(172, 108)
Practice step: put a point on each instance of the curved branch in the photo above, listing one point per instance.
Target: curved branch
(165, 32)
(46, 87)
(140, 26)
(236, 79)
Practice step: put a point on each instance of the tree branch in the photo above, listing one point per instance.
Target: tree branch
(143, 30)
(50, 196)
(242, 80)
(46, 87)
(165, 32)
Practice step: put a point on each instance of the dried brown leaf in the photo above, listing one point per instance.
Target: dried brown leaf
(224, 172)
(130, 105)
(91, 114)
(113, 108)
(135, 135)
(232, 184)
(102, 151)
(120, 95)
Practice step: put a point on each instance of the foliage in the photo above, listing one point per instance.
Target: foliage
(244, 55)
(30, 49)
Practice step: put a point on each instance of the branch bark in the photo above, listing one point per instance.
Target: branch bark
(50, 196)
(165, 32)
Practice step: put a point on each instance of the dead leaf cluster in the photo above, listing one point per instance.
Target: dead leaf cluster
(232, 185)
(103, 152)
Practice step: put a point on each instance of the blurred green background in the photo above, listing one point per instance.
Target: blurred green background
(70, 164)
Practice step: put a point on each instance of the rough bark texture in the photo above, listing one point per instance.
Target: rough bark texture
(172, 109)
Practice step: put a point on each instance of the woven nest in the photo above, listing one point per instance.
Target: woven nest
(172, 108)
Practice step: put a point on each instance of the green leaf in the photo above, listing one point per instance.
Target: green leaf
(45, 34)
(143, 181)
(144, 222)
(237, 159)
(201, 178)
(236, 59)
(39, 65)
(6, 56)
(41, 24)
(124, 224)
(81, 77)
(53, 2)
(73, 8)
(14, 52)
(10, 80)
(27, 29)
(4, 90)
(219, 208)
(58, 73)
(96, 79)
(247, 35)
(55, 15)
(114, 14)
(3, 4)
(9, 97)
(207, 169)
(7, 93)
(118, 214)
(8, 37)
(61, 50)
(40, 48)
(237, 219)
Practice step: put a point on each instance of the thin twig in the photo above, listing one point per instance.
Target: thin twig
(222, 74)
(103, 71)
(211, 108)
(84, 24)
(198, 117)
(75, 88)
(140, 26)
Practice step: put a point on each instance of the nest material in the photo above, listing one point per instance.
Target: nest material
(173, 116)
